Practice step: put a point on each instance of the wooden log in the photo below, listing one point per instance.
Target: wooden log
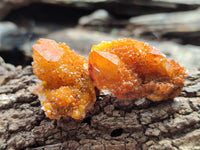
(126, 7)
(162, 23)
(112, 124)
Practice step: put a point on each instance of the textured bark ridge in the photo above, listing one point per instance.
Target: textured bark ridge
(112, 124)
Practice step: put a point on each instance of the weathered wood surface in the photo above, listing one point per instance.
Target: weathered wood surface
(162, 23)
(126, 7)
(112, 124)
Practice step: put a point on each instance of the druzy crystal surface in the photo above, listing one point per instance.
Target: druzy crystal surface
(132, 69)
(66, 90)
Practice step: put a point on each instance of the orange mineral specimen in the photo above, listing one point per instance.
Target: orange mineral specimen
(132, 69)
(67, 89)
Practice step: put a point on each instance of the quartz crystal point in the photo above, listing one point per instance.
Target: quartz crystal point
(132, 69)
(66, 88)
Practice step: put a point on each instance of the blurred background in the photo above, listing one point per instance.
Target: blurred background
(173, 26)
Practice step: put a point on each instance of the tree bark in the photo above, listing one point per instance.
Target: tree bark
(112, 124)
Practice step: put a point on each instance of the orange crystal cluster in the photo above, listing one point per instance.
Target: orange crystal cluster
(132, 69)
(67, 89)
